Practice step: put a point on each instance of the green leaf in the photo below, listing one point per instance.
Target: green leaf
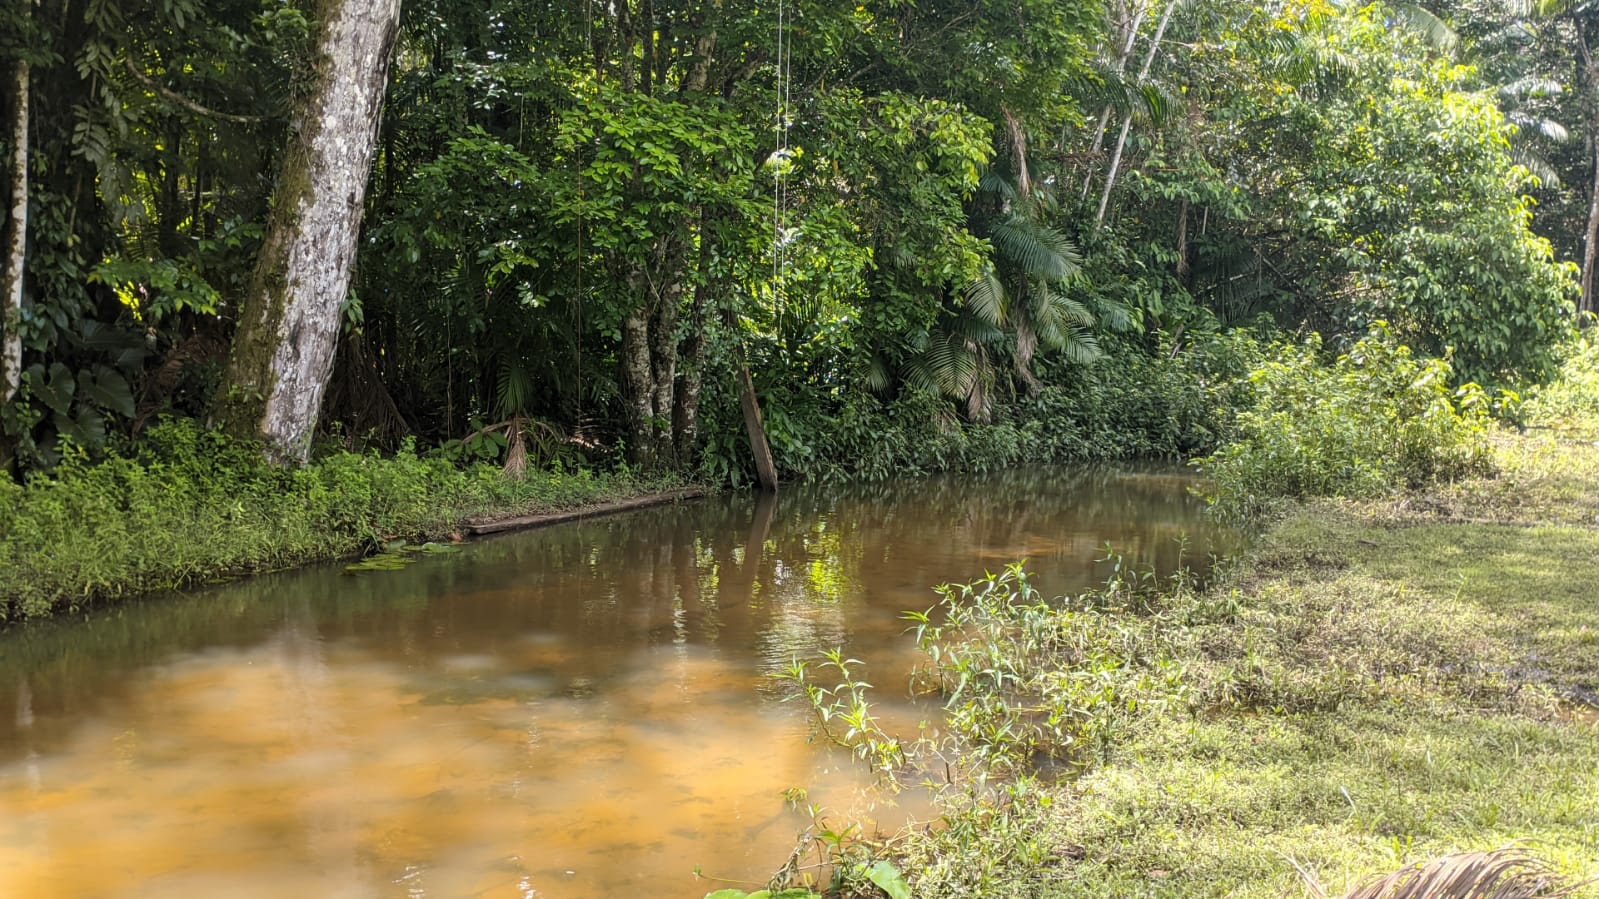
(110, 389)
(888, 878)
(57, 393)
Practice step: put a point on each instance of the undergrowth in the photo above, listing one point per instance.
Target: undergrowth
(1379, 418)
(185, 504)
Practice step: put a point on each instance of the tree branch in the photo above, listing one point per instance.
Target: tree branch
(173, 96)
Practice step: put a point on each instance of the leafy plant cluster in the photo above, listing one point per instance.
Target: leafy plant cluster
(1173, 403)
(1570, 401)
(186, 504)
(1377, 418)
(1027, 685)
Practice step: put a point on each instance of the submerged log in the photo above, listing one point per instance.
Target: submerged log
(544, 519)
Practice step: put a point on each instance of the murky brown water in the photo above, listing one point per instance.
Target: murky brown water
(582, 711)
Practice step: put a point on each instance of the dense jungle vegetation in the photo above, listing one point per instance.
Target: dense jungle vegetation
(286, 279)
(947, 234)
(914, 237)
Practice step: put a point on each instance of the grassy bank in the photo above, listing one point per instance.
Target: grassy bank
(1378, 682)
(187, 506)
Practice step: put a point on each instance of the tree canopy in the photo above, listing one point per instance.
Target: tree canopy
(580, 219)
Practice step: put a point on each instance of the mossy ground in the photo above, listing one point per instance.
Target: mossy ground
(1374, 684)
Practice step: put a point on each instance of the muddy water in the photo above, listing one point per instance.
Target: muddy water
(583, 711)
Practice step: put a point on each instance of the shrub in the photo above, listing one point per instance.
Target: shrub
(1573, 397)
(1376, 419)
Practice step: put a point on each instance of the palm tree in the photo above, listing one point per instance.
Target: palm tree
(1017, 304)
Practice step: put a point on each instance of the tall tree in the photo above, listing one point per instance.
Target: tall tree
(17, 243)
(283, 352)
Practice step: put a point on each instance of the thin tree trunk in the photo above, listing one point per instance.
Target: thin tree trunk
(754, 424)
(17, 246)
(1182, 243)
(1128, 38)
(686, 412)
(1018, 147)
(1590, 246)
(755, 427)
(1127, 123)
(283, 351)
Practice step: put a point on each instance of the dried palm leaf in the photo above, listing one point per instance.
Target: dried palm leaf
(1508, 873)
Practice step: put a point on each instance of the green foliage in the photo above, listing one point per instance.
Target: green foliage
(1571, 400)
(186, 505)
(1378, 418)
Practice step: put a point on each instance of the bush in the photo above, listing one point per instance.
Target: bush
(1174, 403)
(1572, 399)
(1376, 419)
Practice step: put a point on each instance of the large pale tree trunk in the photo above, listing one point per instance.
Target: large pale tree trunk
(17, 242)
(283, 351)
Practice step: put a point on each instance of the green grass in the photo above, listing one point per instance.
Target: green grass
(1376, 683)
(187, 506)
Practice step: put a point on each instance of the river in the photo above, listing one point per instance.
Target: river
(581, 711)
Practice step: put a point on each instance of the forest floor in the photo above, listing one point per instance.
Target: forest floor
(1375, 683)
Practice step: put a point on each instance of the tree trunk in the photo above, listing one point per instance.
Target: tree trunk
(1590, 245)
(1129, 34)
(1182, 243)
(17, 245)
(289, 325)
(691, 371)
(754, 424)
(638, 388)
(1127, 123)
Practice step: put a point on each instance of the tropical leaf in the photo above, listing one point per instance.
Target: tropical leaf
(1037, 250)
(985, 297)
(1426, 24)
(110, 390)
(888, 879)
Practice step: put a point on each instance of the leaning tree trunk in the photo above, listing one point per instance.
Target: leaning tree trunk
(17, 245)
(289, 326)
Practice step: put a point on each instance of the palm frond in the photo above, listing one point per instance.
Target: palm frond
(1038, 250)
(1533, 86)
(1549, 129)
(997, 184)
(1536, 165)
(1425, 24)
(985, 297)
(1508, 873)
(946, 366)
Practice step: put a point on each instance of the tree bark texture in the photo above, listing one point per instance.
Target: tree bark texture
(16, 243)
(289, 327)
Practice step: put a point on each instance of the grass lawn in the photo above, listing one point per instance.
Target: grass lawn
(1375, 684)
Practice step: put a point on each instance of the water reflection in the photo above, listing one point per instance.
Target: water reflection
(572, 712)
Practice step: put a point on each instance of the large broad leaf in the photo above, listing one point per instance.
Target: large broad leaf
(58, 390)
(87, 428)
(110, 390)
(887, 877)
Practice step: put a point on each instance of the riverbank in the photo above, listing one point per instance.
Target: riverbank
(191, 508)
(1374, 684)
